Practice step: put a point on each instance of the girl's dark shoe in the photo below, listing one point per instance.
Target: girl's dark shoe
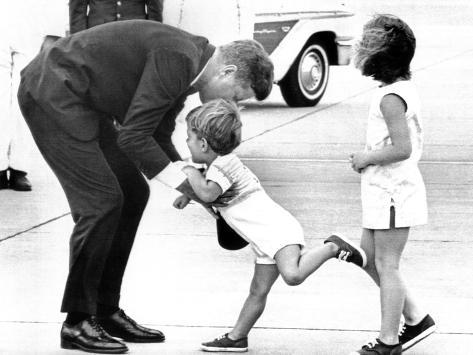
(377, 347)
(19, 181)
(412, 334)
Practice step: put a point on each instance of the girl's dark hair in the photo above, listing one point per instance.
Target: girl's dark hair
(386, 49)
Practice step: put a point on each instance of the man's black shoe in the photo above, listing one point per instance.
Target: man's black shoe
(19, 181)
(120, 325)
(89, 336)
(3, 180)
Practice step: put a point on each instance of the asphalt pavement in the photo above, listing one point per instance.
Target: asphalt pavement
(180, 281)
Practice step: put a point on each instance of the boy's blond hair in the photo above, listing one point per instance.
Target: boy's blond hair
(218, 121)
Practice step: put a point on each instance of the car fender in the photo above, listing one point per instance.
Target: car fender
(291, 45)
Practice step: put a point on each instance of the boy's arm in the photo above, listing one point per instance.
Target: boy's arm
(206, 190)
(181, 202)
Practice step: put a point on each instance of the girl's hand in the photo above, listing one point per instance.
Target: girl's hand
(181, 202)
(359, 161)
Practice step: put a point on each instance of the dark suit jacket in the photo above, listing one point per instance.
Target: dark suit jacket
(134, 71)
(85, 14)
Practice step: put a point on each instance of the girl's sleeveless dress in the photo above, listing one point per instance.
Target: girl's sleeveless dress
(398, 184)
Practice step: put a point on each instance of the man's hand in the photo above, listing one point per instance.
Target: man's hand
(181, 202)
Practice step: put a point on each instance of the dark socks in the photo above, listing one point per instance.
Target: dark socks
(76, 317)
(104, 310)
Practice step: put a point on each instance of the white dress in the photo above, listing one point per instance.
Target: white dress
(398, 184)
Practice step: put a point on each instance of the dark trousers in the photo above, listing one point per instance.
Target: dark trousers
(107, 196)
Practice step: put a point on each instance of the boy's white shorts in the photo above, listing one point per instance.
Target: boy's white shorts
(264, 224)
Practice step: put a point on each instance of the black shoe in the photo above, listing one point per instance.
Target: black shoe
(3, 180)
(19, 181)
(410, 335)
(120, 325)
(347, 251)
(377, 347)
(225, 344)
(89, 336)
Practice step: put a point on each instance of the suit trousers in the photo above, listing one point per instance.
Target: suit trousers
(107, 195)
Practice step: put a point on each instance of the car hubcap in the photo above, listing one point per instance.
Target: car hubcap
(312, 72)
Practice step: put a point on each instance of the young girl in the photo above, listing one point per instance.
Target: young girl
(392, 190)
(214, 131)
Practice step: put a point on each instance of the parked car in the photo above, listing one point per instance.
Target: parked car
(303, 41)
(304, 38)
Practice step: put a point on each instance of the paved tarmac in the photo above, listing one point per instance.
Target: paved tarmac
(180, 281)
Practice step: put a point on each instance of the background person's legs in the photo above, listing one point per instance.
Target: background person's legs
(21, 142)
(5, 100)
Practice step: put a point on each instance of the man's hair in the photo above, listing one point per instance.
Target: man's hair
(255, 69)
(218, 121)
(386, 49)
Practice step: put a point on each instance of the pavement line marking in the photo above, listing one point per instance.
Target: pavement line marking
(305, 115)
(310, 160)
(446, 59)
(228, 326)
(34, 227)
(361, 92)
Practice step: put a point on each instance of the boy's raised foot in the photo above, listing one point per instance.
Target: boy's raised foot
(377, 347)
(225, 344)
(347, 251)
(410, 335)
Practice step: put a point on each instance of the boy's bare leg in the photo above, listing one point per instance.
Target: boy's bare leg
(263, 279)
(411, 311)
(295, 268)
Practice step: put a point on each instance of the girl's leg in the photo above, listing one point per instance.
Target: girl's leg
(389, 245)
(411, 312)
(263, 279)
(295, 268)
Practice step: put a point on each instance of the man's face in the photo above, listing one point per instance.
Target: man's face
(224, 86)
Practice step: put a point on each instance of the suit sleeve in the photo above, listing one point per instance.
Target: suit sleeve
(78, 15)
(155, 10)
(165, 77)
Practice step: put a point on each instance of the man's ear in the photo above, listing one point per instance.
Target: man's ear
(228, 69)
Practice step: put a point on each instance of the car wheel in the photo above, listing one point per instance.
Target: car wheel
(306, 80)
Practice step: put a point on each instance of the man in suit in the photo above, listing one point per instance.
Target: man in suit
(85, 14)
(136, 74)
